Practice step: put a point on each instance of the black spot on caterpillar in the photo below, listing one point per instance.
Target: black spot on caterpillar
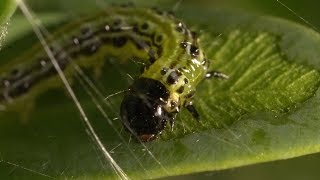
(171, 51)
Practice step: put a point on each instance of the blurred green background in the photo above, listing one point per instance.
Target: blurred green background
(305, 167)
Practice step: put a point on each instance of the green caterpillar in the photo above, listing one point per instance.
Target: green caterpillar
(174, 64)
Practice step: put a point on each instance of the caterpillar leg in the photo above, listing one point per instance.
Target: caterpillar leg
(193, 111)
(172, 122)
(216, 74)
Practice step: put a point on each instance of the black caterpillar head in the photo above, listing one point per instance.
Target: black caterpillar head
(142, 109)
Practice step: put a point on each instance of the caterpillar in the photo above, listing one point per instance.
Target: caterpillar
(173, 64)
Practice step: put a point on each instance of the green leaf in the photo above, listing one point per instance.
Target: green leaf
(7, 7)
(24, 28)
(267, 110)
